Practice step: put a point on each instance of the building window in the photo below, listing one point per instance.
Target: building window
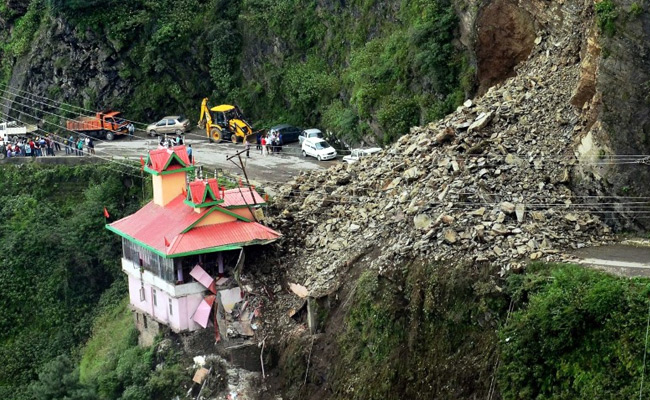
(155, 299)
(145, 321)
(142, 298)
(171, 310)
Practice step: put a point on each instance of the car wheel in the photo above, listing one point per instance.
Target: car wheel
(110, 136)
(319, 159)
(233, 138)
(304, 154)
(152, 133)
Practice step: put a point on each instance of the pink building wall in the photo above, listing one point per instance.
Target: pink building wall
(183, 307)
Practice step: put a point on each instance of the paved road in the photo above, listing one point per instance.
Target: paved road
(272, 168)
(622, 259)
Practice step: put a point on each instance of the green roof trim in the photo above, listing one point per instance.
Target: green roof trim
(174, 156)
(208, 250)
(244, 206)
(189, 253)
(136, 241)
(173, 171)
(198, 220)
(202, 205)
(205, 193)
(226, 211)
(216, 208)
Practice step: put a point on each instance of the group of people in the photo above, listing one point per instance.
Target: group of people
(76, 146)
(32, 147)
(269, 143)
(48, 146)
(170, 142)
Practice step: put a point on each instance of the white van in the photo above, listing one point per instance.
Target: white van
(318, 148)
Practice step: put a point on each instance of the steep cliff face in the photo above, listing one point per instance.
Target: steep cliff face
(501, 182)
(616, 70)
(365, 70)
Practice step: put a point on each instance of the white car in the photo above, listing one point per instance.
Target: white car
(310, 134)
(318, 148)
(358, 154)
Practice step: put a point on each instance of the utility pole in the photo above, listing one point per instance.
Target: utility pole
(243, 168)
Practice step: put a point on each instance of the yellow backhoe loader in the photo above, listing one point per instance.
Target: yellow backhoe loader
(224, 122)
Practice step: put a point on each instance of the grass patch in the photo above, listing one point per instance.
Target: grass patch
(113, 333)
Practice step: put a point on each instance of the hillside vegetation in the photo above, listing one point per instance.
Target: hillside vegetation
(446, 333)
(57, 263)
(363, 69)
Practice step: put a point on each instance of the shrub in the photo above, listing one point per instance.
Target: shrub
(606, 15)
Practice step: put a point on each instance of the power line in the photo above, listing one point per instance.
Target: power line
(624, 159)
(91, 155)
(50, 113)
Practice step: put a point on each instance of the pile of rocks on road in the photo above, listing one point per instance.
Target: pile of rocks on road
(489, 183)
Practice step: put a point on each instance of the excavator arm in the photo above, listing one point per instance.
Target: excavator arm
(205, 113)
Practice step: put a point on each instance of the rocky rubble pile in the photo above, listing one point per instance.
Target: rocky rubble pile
(487, 184)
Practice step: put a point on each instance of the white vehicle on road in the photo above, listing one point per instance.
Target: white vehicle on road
(358, 154)
(9, 129)
(318, 148)
(310, 134)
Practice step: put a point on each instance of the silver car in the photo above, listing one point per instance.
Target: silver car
(174, 124)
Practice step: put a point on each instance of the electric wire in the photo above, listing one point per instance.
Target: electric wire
(621, 159)
(112, 160)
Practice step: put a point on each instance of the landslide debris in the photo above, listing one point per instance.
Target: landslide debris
(489, 183)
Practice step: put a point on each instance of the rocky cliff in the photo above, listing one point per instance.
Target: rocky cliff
(523, 172)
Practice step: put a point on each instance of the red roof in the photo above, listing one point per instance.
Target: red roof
(198, 188)
(233, 197)
(229, 233)
(158, 159)
(153, 225)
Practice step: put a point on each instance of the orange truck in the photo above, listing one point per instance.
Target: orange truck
(102, 126)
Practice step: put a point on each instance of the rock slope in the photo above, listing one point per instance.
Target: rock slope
(490, 183)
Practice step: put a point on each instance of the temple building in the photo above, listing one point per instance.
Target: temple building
(183, 251)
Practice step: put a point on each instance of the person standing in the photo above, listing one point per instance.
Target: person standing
(80, 147)
(248, 149)
(131, 129)
(57, 142)
(91, 146)
(264, 150)
(29, 148)
(189, 152)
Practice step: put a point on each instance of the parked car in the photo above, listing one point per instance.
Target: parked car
(289, 133)
(310, 133)
(358, 154)
(318, 148)
(176, 124)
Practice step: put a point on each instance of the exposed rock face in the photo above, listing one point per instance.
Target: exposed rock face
(67, 67)
(505, 36)
(508, 202)
(618, 115)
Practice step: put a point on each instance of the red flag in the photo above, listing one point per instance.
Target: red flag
(193, 160)
(266, 197)
(166, 242)
(240, 183)
(106, 214)
(142, 162)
